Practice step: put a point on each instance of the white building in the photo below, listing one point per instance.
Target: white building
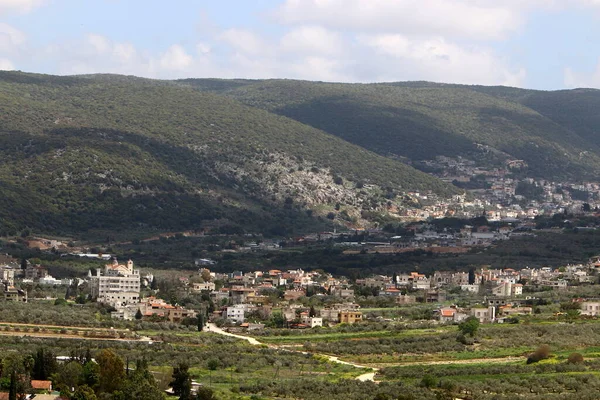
(470, 288)
(7, 275)
(237, 313)
(201, 286)
(118, 285)
(313, 321)
(50, 280)
(484, 314)
(591, 308)
(508, 289)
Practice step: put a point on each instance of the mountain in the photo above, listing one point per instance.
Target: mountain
(103, 154)
(556, 133)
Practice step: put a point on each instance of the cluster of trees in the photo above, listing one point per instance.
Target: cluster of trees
(82, 378)
(389, 345)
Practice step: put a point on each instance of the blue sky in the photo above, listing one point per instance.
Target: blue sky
(541, 44)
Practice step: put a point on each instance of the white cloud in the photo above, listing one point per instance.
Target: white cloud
(312, 40)
(244, 41)
(575, 79)
(99, 43)
(318, 68)
(203, 48)
(124, 52)
(6, 65)
(479, 20)
(95, 54)
(21, 6)
(439, 60)
(10, 38)
(175, 58)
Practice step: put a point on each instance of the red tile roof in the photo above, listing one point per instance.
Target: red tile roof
(41, 385)
(448, 313)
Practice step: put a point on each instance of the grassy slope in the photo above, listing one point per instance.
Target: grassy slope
(110, 151)
(419, 120)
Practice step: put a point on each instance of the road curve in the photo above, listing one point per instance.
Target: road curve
(369, 376)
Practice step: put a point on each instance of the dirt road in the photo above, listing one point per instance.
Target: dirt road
(369, 376)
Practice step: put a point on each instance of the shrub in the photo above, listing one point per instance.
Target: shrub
(469, 326)
(575, 358)
(542, 353)
(428, 381)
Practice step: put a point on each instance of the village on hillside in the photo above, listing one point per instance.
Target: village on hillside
(300, 299)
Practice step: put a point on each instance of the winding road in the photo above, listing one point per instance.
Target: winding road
(369, 376)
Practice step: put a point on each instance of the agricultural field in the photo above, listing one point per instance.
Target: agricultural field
(377, 360)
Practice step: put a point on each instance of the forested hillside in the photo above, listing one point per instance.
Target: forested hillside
(556, 133)
(118, 153)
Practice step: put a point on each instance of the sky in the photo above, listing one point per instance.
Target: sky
(538, 44)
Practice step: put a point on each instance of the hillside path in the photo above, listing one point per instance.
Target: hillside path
(369, 376)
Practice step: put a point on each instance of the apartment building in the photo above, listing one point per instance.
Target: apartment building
(118, 284)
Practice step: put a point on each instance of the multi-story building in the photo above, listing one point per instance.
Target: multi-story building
(152, 306)
(237, 312)
(13, 294)
(591, 308)
(350, 317)
(7, 275)
(201, 286)
(119, 284)
(35, 272)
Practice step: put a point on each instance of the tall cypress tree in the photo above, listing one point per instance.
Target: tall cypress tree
(182, 382)
(12, 389)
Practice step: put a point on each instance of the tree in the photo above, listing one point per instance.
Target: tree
(16, 369)
(91, 373)
(69, 374)
(472, 276)
(141, 385)
(469, 326)
(138, 314)
(182, 381)
(212, 364)
(205, 393)
(205, 274)
(154, 283)
(200, 322)
(111, 371)
(312, 312)
(44, 364)
(12, 390)
(84, 392)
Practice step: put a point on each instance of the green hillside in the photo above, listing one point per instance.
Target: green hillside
(120, 153)
(421, 120)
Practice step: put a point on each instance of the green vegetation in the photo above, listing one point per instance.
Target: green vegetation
(421, 120)
(104, 152)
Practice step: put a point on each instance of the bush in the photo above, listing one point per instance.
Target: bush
(542, 353)
(469, 326)
(575, 358)
(428, 381)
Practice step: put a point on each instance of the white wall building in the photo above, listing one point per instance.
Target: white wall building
(591, 308)
(237, 313)
(200, 286)
(118, 285)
